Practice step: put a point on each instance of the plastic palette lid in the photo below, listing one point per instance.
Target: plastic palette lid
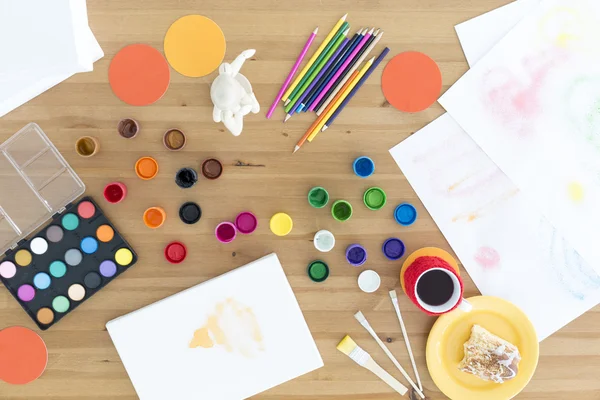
(36, 182)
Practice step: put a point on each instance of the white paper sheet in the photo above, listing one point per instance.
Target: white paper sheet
(532, 104)
(260, 338)
(478, 34)
(41, 35)
(509, 249)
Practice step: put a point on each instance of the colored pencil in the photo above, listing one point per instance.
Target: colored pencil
(342, 69)
(314, 57)
(325, 51)
(317, 79)
(356, 88)
(342, 79)
(336, 105)
(317, 89)
(318, 68)
(312, 128)
(311, 38)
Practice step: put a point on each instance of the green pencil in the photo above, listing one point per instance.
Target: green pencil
(294, 98)
(344, 26)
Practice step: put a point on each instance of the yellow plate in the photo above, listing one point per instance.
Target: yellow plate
(451, 331)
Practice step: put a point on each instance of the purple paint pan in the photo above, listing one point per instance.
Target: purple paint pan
(246, 222)
(356, 255)
(393, 249)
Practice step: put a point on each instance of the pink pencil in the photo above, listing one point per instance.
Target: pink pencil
(292, 72)
(341, 70)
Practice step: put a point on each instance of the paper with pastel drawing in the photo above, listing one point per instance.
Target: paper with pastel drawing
(528, 263)
(532, 105)
(228, 338)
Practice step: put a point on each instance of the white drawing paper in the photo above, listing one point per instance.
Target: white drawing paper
(229, 338)
(533, 105)
(509, 249)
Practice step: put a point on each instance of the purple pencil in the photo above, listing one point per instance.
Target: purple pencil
(292, 72)
(341, 70)
(332, 59)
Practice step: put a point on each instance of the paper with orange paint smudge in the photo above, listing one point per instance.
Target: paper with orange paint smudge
(532, 104)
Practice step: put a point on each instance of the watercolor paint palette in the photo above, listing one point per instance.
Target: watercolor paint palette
(52, 271)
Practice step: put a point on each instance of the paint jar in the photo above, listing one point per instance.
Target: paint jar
(115, 192)
(226, 232)
(190, 213)
(318, 271)
(212, 168)
(318, 197)
(175, 252)
(128, 128)
(281, 224)
(393, 249)
(146, 168)
(174, 139)
(154, 217)
(246, 222)
(341, 210)
(369, 281)
(356, 255)
(363, 167)
(374, 198)
(405, 214)
(186, 178)
(324, 241)
(87, 146)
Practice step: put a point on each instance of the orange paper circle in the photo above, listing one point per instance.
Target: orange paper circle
(139, 75)
(194, 45)
(431, 252)
(23, 355)
(411, 81)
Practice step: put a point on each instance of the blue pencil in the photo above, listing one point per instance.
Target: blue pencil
(356, 88)
(314, 82)
(334, 67)
(337, 66)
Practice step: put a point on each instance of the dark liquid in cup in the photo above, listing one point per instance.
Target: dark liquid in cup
(435, 287)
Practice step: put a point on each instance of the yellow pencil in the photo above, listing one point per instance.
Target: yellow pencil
(314, 57)
(363, 71)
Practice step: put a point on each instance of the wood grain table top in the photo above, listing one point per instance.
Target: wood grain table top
(262, 175)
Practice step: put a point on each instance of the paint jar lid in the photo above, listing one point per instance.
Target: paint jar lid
(324, 241)
(318, 271)
(363, 167)
(175, 252)
(393, 249)
(405, 214)
(212, 168)
(146, 168)
(190, 212)
(318, 197)
(281, 224)
(369, 281)
(246, 222)
(341, 210)
(185, 178)
(356, 255)
(374, 198)
(36, 161)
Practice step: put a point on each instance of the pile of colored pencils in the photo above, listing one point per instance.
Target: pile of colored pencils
(331, 77)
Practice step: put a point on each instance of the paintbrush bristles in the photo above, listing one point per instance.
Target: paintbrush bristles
(393, 294)
(347, 345)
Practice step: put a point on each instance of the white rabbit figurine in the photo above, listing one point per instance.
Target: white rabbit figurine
(232, 95)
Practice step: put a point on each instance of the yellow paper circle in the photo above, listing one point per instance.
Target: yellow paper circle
(194, 45)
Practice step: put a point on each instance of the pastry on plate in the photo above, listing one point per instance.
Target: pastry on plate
(489, 357)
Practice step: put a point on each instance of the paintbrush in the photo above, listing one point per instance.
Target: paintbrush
(394, 298)
(362, 358)
(363, 321)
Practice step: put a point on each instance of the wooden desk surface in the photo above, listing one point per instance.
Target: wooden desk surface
(262, 175)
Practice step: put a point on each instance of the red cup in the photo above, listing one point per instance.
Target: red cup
(434, 286)
(115, 192)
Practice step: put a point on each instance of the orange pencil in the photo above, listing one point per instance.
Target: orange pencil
(331, 104)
